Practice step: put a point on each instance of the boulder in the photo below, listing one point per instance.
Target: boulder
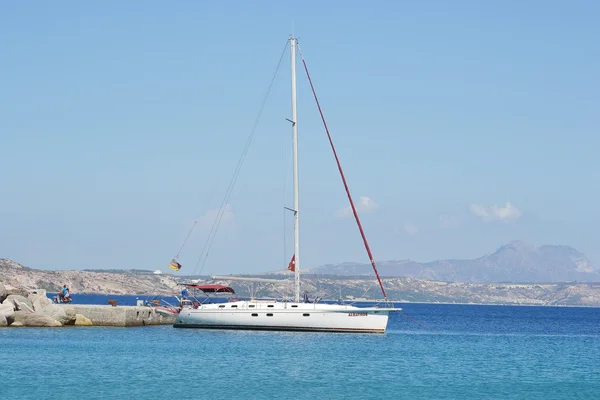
(39, 299)
(21, 303)
(71, 315)
(54, 311)
(7, 310)
(3, 321)
(35, 319)
(16, 324)
(3, 292)
(17, 291)
(82, 320)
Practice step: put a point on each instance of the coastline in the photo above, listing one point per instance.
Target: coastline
(404, 289)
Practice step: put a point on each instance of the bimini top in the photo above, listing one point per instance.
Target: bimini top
(212, 288)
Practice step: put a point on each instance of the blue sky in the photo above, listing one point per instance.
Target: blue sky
(462, 125)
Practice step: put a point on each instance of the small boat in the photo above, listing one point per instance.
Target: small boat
(161, 306)
(293, 315)
(166, 311)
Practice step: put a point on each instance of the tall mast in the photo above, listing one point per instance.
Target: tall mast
(293, 42)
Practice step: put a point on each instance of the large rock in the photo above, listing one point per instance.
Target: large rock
(21, 303)
(3, 292)
(3, 321)
(35, 319)
(39, 299)
(71, 315)
(54, 311)
(7, 310)
(17, 291)
(82, 320)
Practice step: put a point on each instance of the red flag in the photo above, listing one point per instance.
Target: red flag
(292, 264)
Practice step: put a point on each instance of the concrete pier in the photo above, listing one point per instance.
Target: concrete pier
(108, 315)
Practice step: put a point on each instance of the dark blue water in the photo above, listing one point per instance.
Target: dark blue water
(450, 352)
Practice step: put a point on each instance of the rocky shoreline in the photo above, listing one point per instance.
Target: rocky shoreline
(400, 289)
(20, 307)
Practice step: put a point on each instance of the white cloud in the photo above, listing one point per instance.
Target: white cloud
(211, 215)
(495, 213)
(363, 205)
(410, 228)
(366, 204)
(448, 221)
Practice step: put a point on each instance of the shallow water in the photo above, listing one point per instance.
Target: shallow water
(476, 352)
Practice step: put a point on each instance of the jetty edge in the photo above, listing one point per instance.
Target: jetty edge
(23, 308)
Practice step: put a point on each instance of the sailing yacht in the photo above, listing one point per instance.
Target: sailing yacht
(293, 315)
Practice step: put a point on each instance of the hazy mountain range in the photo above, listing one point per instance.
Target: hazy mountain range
(516, 262)
(468, 279)
(401, 289)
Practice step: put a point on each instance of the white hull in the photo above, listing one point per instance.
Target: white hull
(280, 316)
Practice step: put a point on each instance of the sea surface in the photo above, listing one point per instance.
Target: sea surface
(430, 351)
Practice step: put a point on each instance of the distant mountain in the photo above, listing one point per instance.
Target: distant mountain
(514, 262)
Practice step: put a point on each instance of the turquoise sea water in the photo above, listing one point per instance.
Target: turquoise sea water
(480, 352)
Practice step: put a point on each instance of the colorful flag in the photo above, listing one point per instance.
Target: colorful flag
(292, 264)
(175, 265)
